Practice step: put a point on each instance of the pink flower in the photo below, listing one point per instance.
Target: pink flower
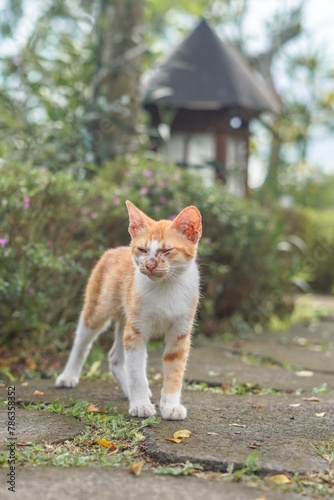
(3, 242)
(50, 243)
(31, 290)
(116, 201)
(93, 215)
(162, 199)
(148, 173)
(26, 202)
(144, 191)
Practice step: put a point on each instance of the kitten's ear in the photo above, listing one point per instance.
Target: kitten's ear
(138, 220)
(189, 224)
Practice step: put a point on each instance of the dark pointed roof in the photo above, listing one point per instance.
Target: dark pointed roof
(204, 72)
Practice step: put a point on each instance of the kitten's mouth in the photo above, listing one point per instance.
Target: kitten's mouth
(153, 275)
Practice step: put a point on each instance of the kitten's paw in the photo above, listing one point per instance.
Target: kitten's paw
(142, 410)
(177, 412)
(66, 381)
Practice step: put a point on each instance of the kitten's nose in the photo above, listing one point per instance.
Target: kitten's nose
(151, 264)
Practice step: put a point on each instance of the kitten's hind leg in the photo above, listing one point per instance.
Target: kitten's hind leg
(116, 359)
(84, 338)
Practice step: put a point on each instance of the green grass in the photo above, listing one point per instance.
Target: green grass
(123, 433)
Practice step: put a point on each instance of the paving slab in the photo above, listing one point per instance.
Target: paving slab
(216, 363)
(54, 483)
(95, 392)
(39, 426)
(225, 429)
(310, 348)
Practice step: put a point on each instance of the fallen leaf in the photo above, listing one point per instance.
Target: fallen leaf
(254, 446)
(257, 406)
(24, 443)
(294, 405)
(2, 385)
(212, 373)
(179, 436)
(136, 468)
(216, 409)
(212, 434)
(262, 497)
(312, 398)
(38, 393)
(106, 444)
(304, 373)
(182, 434)
(237, 425)
(175, 440)
(322, 414)
(93, 409)
(226, 387)
(31, 365)
(280, 479)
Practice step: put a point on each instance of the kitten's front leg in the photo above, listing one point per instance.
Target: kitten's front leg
(135, 363)
(174, 365)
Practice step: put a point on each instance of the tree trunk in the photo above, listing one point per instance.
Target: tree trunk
(116, 98)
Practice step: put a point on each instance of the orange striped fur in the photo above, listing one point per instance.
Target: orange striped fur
(148, 289)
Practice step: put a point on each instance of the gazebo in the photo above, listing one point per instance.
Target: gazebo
(200, 99)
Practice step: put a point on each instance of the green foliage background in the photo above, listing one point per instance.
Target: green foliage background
(54, 228)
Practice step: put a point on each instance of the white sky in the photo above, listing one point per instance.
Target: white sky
(319, 33)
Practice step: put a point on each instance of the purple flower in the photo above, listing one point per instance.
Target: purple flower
(162, 199)
(144, 191)
(3, 242)
(171, 217)
(50, 243)
(148, 173)
(31, 290)
(116, 201)
(26, 202)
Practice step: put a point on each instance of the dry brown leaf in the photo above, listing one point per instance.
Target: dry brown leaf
(136, 468)
(312, 398)
(106, 444)
(262, 497)
(254, 446)
(257, 406)
(2, 385)
(93, 409)
(225, 387)
(24, 443)
(38, 393)
(280, 479)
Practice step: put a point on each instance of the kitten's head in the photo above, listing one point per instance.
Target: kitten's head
(163, 248)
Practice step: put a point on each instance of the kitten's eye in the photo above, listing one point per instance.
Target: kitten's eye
(165, 251)
(142, 250)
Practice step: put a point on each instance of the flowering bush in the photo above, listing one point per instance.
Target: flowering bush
(53, 228)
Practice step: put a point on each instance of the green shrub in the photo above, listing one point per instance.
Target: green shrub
(316, 229)
(53, 228)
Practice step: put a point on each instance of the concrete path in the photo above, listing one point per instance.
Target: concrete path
(299, 365)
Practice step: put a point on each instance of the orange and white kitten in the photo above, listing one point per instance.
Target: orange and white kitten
(149, 289)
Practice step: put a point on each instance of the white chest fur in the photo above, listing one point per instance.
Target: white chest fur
(167, 304)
